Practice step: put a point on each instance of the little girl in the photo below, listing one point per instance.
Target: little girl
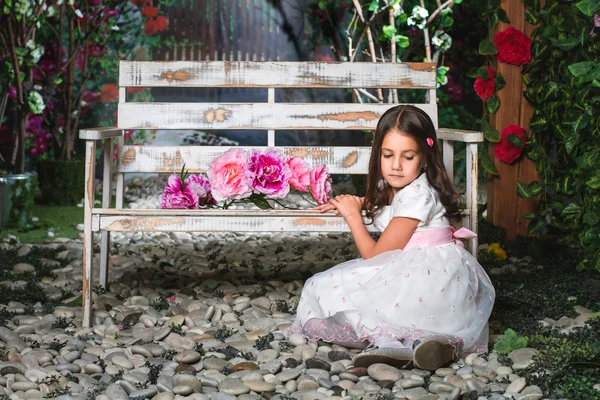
(416, 294)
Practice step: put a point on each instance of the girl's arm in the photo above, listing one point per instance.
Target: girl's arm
(394, 237)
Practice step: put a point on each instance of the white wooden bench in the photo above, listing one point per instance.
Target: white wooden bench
(269, 116)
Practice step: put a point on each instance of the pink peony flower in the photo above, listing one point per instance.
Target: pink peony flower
(300, 179)
(200, 185)
(320, 184)
(270, 173)
(229, 176)
(173, 184)
(181, 199)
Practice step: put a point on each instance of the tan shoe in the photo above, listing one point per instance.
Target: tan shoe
(433, 353)
(394, 357)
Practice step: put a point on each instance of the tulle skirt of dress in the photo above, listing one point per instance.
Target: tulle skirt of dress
(401, 294)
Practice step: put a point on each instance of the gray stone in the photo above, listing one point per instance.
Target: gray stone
(223, 396)
(183, 390)
(516, 386)
(259, 386)
(162, 396)
(289, 374)
(272, 366)
(522, 358)
(233, 386)
(216, 363)
(116, 392)
(122, 361)
(187, 357)
(187, 380)
(143, 393)
(381, 372)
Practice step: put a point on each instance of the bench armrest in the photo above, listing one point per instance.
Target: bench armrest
(460, 135)
(100, 133)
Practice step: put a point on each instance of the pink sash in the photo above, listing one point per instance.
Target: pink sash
(439, 236)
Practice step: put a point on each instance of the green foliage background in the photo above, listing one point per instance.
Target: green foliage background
(563, 84)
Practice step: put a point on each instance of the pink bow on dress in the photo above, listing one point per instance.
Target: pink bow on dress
(462, 233)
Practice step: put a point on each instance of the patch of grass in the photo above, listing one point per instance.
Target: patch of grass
(62, 220)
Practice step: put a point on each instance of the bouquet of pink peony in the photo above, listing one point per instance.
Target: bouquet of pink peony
(182, 191)
(258, 176)
(249, 177)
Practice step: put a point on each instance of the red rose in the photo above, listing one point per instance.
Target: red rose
(485, 88)
(161, 23)
(150, 27)
(513, 46)
(109, 93)
(149, 11)
(504, 149)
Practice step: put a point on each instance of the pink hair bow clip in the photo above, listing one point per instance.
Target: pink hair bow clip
(430, 142)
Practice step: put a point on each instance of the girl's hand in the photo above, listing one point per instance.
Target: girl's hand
(325, 207)
(347, 205)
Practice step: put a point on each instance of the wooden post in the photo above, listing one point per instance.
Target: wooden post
(505, 207)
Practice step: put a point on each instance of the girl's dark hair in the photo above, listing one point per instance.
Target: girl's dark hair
(414, 122)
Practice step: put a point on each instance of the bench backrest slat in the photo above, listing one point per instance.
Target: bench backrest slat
(276, 74)
(170, 159)
(256, 116)
(270, 116)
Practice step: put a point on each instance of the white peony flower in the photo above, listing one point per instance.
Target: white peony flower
(418, 17)
(37, 53)
(36, 102)
(442, 40)
(79, 13)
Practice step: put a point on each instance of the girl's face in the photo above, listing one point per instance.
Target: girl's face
(400, 160)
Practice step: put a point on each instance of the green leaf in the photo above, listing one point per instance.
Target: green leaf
(457, 1)
(389, 31)
(581, 122)
(536, 226)
(566, 44)
(510, 341)
(535, 187)
(488, 164)
(571, 142)
(483, 73)
(448, 21)
(473, 72)
(581, 68)
(489, 132)
(260, 202)
(590, 218)
(594, 183)
(549, 92)
(493, 103)
(588, 7)
(531, 17)
(486, 48)
(502, 16)
(529, 215)
(515, 141)
(499, 81)
(596, 83)
(402, 41)
(538, 123)
(374, 5)
(567, 185)
(322, 4)
(571, 212)
(524, 190)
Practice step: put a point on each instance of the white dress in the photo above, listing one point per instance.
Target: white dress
(402, 294)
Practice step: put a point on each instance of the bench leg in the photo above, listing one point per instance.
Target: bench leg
(88, 238)
(104, 256)
(472, 193)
